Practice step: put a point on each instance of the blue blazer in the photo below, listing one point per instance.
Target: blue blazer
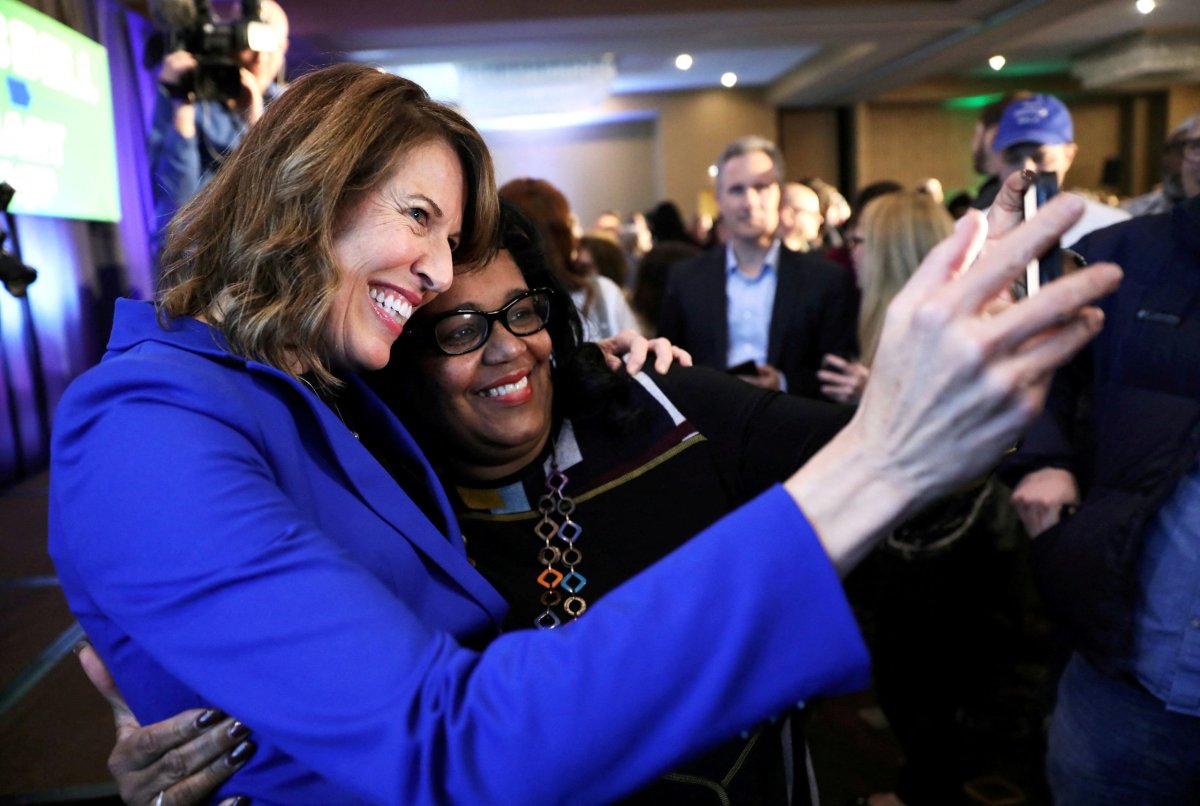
(226, 541)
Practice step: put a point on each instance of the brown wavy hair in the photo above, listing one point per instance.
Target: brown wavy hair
(252, 252)
(548, 209)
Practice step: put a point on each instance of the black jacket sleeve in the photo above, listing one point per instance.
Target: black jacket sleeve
(766, 436)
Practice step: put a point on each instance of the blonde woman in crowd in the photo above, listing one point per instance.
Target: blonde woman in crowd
(895, 233)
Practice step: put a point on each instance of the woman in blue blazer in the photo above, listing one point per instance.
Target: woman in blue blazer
(238, 521)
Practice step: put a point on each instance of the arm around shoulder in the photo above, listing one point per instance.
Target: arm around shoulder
(221, 582)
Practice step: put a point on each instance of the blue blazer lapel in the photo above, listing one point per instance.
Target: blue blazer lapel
(378, 489)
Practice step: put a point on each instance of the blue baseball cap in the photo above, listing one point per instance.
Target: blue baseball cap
(1038, 119)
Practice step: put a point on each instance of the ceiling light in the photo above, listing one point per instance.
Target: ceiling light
(712, 171)
(1144, 6)
(997, 62)
(728, 79)
(683, 61)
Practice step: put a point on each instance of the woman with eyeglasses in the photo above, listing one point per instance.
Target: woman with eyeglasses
(508, 402)
(239, 522)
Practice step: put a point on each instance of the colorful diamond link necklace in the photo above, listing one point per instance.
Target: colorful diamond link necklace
(556, 504)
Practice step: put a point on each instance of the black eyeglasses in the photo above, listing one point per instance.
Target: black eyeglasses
(463, 331)
(1190, 149)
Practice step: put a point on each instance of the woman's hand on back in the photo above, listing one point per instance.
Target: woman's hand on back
(841, 379)
(635, 348)
(185, 758)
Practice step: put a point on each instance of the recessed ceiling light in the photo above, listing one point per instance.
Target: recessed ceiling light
(997, 62)
(1144, 6)
(728, 79)
(683, 61)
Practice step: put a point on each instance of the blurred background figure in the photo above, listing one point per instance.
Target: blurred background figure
(1038, 134)
(701, 229)
(608, 222)
(842, 255)
(666, 224)
(651, 284)
(602, 255)
(800, 219)
(1171, 191)
(755, 307)
(932, 186)
(987, 162)
(892, 237)
(959, 204)
(191, 135)
(601, 302)
(835, 210)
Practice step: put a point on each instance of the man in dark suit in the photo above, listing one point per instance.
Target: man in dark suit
(753, 301)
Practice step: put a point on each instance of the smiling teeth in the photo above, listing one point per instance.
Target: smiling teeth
(506, 389)
(400, 308)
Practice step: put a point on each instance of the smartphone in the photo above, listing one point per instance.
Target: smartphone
(744, 368)
(1048, 265)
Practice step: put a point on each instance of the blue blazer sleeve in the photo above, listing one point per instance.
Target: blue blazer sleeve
(194, 558)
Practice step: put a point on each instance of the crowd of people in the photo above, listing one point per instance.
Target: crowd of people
(360, 490)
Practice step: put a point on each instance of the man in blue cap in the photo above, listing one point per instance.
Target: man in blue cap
(1108, 482)
(1036, 133)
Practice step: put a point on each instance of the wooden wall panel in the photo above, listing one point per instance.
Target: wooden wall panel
(809, 141)
(910, 142)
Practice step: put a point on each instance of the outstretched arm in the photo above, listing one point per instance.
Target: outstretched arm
(953, 385)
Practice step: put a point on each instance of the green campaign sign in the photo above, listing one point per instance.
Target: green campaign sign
(57, 141)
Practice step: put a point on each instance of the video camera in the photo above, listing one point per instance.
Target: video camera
(14, 275)
(190, 25)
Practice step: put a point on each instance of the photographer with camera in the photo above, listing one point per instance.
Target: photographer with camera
(213, 84)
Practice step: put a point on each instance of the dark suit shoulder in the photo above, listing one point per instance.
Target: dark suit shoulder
(698, 275)
(1120, 238)
(714, 257)
(813, 264)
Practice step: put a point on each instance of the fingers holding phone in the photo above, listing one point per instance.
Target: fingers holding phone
(842, 379)
(763, 376)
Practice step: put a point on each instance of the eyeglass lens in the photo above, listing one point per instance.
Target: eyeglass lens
(468, 330)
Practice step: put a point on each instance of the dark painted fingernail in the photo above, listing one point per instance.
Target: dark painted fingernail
(240, 754)
(237, 730)
(1029, 175)
(209, 718)
(81, 645)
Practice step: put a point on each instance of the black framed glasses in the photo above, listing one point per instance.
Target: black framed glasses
(463, 331)
(1190, 149)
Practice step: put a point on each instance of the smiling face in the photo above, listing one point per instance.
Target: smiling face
(393, 252)
(492, 406)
